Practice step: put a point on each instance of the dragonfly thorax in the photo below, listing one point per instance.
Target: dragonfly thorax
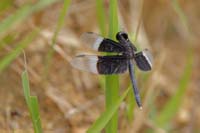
(123, 39)
(129, 52)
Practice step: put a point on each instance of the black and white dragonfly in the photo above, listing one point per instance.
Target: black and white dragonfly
(124, 57)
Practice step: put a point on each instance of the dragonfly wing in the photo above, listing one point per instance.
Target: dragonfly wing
(144, 60)
(101, 64)
(100, 43)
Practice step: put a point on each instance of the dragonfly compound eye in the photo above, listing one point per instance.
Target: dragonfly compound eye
(121, 36)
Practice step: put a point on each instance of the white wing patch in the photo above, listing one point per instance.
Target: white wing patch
(92, 40)
(97, 43)
(86, 63)
(148, 57)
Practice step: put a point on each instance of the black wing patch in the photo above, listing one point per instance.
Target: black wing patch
(101, 64)
(101, 44)
(144, 60)
(112, 64)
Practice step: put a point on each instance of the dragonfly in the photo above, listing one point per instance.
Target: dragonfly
(122, 56)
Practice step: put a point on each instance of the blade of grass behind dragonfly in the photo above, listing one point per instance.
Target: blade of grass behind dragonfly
(172, 106)
(59, 25)
(101, 16)
(12, 55)
(102, 26)
(112, 104)
(101, 122)
(112, 81)
(23, 12)
(32, 103)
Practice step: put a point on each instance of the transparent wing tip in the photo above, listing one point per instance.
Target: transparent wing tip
(148, 56)
(91, 39)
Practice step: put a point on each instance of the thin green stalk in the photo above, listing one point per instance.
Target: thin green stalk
(4, 62)
(174, 103)
(101, 16)
(172, 106)
(102, 26)
(112, 81)
(59, 25)
(100, 123)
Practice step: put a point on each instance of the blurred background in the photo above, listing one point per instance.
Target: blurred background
(71, 100)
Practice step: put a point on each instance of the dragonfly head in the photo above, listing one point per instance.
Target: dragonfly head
(122, 36)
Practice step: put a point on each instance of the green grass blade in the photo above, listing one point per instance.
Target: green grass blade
(101, 122)
(172, 106)
(112, 94)
(102, 26)
(26, 87)
(21, 45)
(101, 16)
(35, 114)
(22, 13)
(32, 103)
(112, 81)
(59, 25)
(113, 21)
